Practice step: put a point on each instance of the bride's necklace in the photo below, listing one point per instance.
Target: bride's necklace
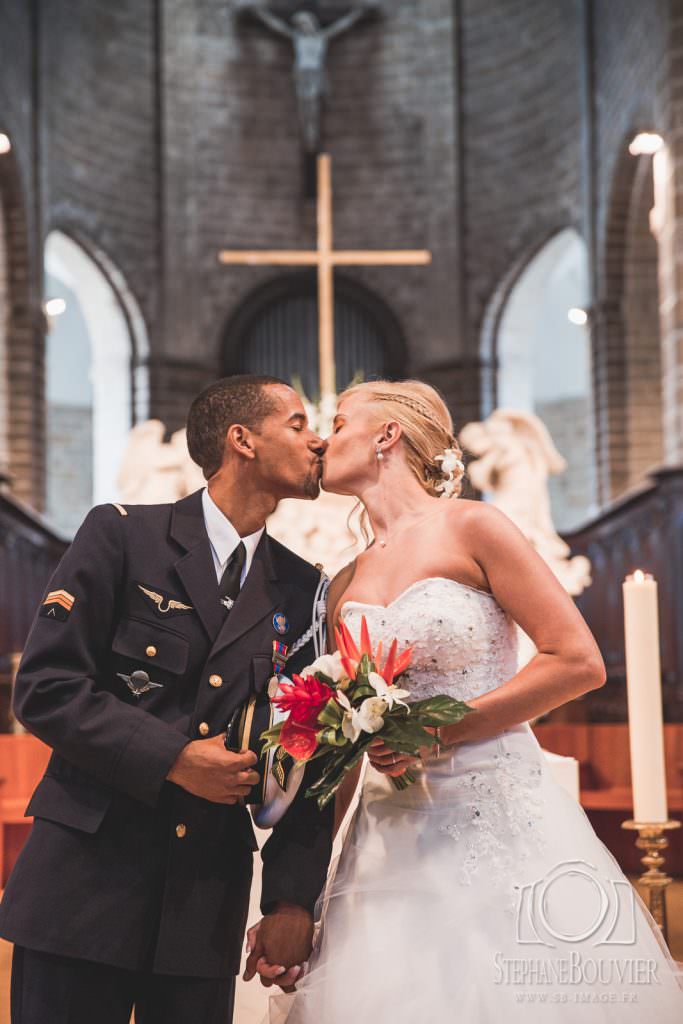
(415, 522)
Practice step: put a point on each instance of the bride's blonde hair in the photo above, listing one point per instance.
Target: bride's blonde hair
(426, 424)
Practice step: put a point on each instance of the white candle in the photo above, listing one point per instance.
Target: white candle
(644, 687)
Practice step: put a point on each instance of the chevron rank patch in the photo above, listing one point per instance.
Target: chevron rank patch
(57, 605)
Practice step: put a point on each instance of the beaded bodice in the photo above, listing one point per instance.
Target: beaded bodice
(464, 643)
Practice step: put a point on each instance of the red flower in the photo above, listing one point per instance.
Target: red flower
(304, 699)
(298, 740)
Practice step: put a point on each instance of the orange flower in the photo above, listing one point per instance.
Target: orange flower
(351, 655)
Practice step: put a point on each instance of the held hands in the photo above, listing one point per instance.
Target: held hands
(279, 946)
(206, 769)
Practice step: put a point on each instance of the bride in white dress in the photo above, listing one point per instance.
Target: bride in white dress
(480, 893)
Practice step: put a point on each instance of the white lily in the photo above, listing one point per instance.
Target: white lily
(367, 718)
(390, 694)
(371, 714)
(350, 725)
(329, 664)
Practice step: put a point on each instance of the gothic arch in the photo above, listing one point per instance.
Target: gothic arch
(543, 362)
(105, 341)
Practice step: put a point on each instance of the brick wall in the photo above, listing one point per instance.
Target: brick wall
(630, 95)
(23, 412)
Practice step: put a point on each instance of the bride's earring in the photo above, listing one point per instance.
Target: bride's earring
(379, 453)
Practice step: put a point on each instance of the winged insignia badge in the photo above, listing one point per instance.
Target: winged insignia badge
(138, 682)
(171, 603)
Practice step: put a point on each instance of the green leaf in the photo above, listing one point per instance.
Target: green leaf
(332, 782)
(338, 763)
(405, 736)
(273, 733)
(439, 710)
(366, 666)
(331, 714)
(332, 737)
(361, 692)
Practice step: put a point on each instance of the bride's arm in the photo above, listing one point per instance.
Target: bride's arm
(568, 662)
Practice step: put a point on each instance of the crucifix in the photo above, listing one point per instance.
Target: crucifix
(310, 42)
(326, 258)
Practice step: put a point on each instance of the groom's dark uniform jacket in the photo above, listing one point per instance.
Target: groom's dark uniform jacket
(122, 866)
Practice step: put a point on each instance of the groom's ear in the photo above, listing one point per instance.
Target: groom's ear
(239, 439)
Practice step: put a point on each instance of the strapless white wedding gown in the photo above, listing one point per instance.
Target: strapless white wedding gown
(481, 893)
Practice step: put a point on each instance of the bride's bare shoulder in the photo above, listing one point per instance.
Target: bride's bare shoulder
(471, 510)
(466, 511)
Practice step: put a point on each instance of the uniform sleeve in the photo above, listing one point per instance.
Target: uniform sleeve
(297, 854)
(59, 694)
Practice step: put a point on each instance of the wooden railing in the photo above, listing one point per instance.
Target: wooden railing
(642, 530)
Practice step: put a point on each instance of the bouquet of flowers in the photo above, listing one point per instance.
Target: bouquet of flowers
(339, 704)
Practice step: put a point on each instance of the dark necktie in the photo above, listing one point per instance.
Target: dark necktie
(229, 586)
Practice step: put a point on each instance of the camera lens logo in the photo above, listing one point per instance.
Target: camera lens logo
(573, 903)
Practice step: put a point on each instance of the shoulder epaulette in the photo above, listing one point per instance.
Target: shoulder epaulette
(120, 509)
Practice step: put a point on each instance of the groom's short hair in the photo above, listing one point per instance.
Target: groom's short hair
(244, 398)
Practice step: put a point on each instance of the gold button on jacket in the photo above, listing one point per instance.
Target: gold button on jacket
(204, 728)
(180, 830)
(151, 651)
(216, 680)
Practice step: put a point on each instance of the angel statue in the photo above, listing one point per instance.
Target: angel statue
(310, 42)
(154, 471)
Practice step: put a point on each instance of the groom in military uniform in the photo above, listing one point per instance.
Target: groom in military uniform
(133, 887)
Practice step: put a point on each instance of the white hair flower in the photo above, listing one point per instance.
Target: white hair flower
(449, 463)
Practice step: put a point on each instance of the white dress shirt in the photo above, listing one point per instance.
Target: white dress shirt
(224, 538)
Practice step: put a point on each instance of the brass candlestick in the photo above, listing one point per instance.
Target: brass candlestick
(652, 839)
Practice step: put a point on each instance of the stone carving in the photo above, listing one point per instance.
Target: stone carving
(155, 471)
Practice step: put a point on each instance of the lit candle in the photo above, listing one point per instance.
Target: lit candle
(644, 687)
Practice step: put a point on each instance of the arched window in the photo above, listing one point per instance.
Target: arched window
(544, 366)
(95, 378)
(275, 331)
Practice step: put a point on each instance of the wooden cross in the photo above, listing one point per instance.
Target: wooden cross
(325, 258)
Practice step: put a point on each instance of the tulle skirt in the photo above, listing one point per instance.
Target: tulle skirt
(480, 894)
